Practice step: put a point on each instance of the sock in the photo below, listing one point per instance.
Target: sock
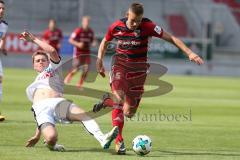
(80, 82)
(109, 102)
(69, 76)
(83, 77)
(92, 127)
(118, 120)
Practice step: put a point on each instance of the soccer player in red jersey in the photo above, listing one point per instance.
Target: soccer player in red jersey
(53, 35)
(127, 76)
(82, 38)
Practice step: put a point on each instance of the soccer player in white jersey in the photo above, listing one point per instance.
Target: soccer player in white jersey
(48, 104)
(3, 30)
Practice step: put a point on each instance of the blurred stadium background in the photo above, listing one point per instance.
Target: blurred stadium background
(210, 27)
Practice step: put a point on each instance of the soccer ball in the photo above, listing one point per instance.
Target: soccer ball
(142, 145)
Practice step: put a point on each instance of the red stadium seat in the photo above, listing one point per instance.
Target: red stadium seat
(178, 25)
(233, 4)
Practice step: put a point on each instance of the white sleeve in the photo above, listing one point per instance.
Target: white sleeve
(5, 30)
(54, 65)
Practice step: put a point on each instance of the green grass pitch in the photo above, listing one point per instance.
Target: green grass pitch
(208, 126)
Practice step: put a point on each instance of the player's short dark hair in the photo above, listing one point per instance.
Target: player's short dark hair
(2, 2)
(137, 8)
(52, 19)
(39, 52)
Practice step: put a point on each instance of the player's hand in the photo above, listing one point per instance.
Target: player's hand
(100, 67)
(195, 58)
(27, 36)
(32, 141)
(80, 45)
(4, 52)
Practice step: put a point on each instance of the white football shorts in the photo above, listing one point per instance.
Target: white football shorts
(51, 110)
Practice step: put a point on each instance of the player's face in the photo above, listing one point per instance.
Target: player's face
(40, 63)
(2, 9)
(52, 25)
(133, 21)
(85, 23)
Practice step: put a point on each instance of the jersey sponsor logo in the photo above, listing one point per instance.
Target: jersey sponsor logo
(128, 43)
(89, 34)
(48, 73)
(54, 37)
(158, 30)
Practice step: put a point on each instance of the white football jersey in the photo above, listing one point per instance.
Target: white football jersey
(3, 28)
(50, 78)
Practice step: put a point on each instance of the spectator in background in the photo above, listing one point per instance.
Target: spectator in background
(53, 35)
(82, 39)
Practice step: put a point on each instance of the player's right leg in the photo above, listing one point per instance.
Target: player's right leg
(50, 137)
(73, 71)
(78, 114)
(114, 101)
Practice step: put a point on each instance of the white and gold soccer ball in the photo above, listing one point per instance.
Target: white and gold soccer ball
(142, 145)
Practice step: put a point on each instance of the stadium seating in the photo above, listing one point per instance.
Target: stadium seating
(178, 25)
(234, 5)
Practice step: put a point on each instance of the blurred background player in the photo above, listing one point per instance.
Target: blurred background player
(82, 39)
(53, 35)
(130, 64)
(3, 31)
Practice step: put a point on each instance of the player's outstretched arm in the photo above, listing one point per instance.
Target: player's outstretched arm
(101, 53)
(27, 36)
(33, 140)
(178, 43)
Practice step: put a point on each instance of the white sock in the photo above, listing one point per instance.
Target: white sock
(93, 128)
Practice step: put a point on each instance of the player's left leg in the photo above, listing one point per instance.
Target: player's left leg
(50, 137)
(85, 69)
(73, 71)
(78, 114)
(130, 106)
(84, 61)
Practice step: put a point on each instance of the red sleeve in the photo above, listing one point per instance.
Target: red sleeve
(75, 33)
(109, 35)
(155, 30)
